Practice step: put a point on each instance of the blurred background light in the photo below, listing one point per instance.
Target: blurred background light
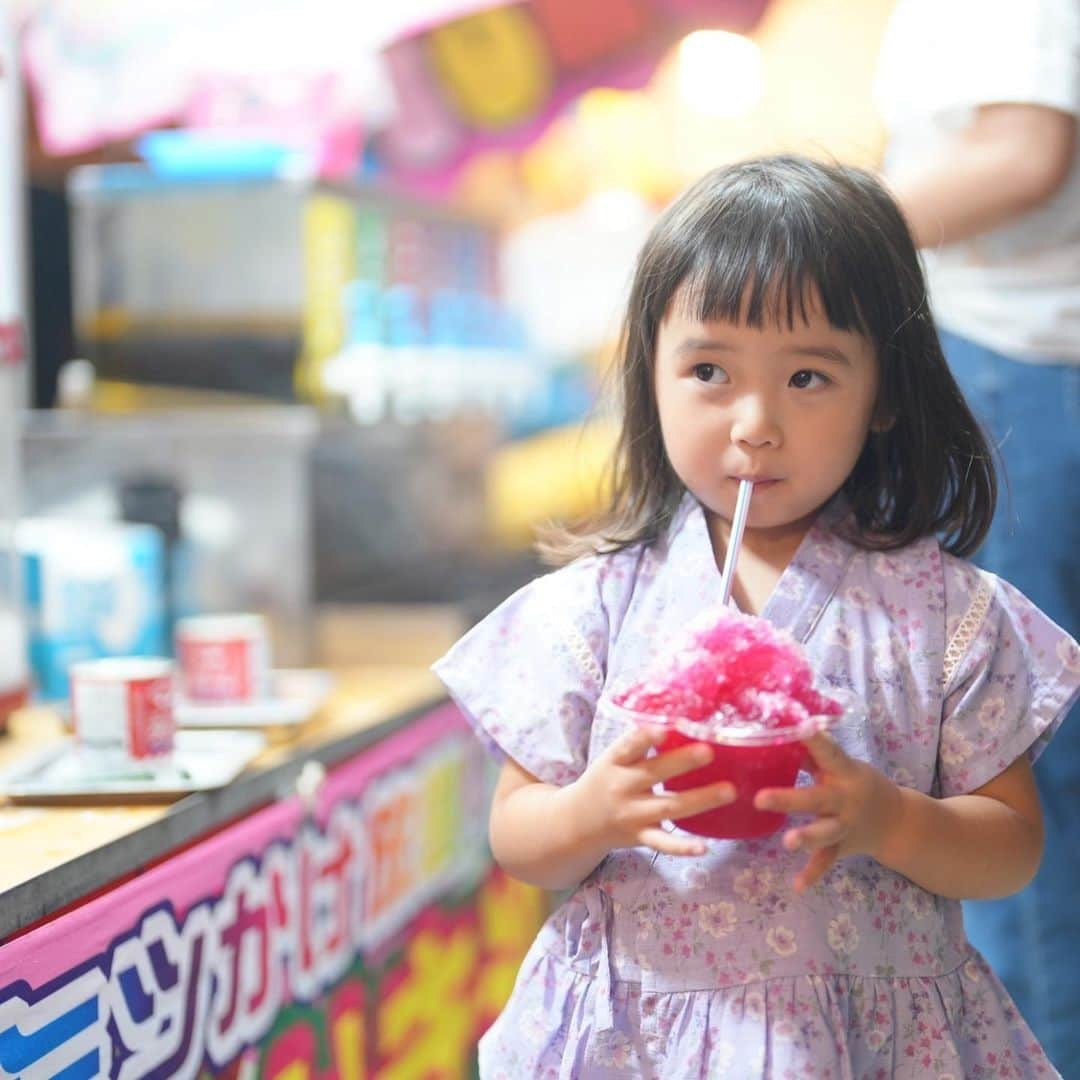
(719, 73)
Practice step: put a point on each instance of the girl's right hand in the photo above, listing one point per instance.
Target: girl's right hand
(618, 807)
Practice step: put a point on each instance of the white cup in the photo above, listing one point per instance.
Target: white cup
(122, 708)
(224, 659)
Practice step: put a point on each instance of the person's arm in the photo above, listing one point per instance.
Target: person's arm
(1011, 159)
(964, 847)
(969, 847)
(555, 836)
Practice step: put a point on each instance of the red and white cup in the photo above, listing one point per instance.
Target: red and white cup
(224, 659)
(122, 709)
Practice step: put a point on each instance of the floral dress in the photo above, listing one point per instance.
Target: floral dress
(678, 968)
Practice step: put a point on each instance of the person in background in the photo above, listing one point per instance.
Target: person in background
(981, 98)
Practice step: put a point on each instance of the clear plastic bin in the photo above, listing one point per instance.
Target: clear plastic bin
(227, 487)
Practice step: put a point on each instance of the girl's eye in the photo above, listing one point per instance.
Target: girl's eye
(710, 373)
(803, 380)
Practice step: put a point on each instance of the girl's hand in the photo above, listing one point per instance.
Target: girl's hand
(615, 803)
(854, 804)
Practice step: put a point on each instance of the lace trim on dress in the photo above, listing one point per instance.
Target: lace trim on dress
(967, 630)
(579, 647)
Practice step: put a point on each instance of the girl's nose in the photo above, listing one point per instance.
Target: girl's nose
(754, 425)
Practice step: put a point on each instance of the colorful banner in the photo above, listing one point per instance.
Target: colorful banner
(480, 73)
(498, 77)
(366, 935)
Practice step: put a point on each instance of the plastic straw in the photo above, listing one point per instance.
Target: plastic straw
(738, 526)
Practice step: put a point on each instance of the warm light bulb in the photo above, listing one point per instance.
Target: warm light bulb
(719, 73)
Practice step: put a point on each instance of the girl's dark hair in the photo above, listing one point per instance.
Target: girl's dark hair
(752, 242)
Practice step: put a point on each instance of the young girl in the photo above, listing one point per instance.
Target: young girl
(777, 331)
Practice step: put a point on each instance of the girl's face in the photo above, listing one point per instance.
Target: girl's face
(789, 409)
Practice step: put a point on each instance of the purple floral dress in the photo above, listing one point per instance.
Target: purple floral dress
(679, 968)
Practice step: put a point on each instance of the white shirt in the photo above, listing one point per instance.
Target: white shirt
(1016, 288)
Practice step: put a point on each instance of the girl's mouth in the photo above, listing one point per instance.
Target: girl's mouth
(759, 483)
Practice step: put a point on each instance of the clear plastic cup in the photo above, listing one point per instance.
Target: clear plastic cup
(751, 758)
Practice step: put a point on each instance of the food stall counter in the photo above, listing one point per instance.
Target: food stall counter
(333, 911)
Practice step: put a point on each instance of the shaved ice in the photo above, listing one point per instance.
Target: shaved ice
(734, 671)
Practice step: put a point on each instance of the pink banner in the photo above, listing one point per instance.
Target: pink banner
(105, 71)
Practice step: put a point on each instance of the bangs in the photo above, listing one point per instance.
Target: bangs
(763, 244)
(768, 273)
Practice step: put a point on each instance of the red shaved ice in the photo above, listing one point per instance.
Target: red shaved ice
(731, 670)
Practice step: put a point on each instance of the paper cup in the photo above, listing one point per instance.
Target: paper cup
(224, 659)
(122, 708)
(750, 758)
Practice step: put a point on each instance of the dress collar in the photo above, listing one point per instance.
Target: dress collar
(807, 583)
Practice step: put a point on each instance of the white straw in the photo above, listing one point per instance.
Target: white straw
(738, 525)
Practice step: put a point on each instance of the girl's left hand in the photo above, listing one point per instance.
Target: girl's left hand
(855, 807)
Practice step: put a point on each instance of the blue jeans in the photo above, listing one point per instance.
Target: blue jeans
(1032, 411)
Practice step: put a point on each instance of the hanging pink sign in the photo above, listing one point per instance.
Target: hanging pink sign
(496, 78)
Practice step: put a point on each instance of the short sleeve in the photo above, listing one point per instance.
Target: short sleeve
(528, 676)
(1016, 675)
(1027, 54)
